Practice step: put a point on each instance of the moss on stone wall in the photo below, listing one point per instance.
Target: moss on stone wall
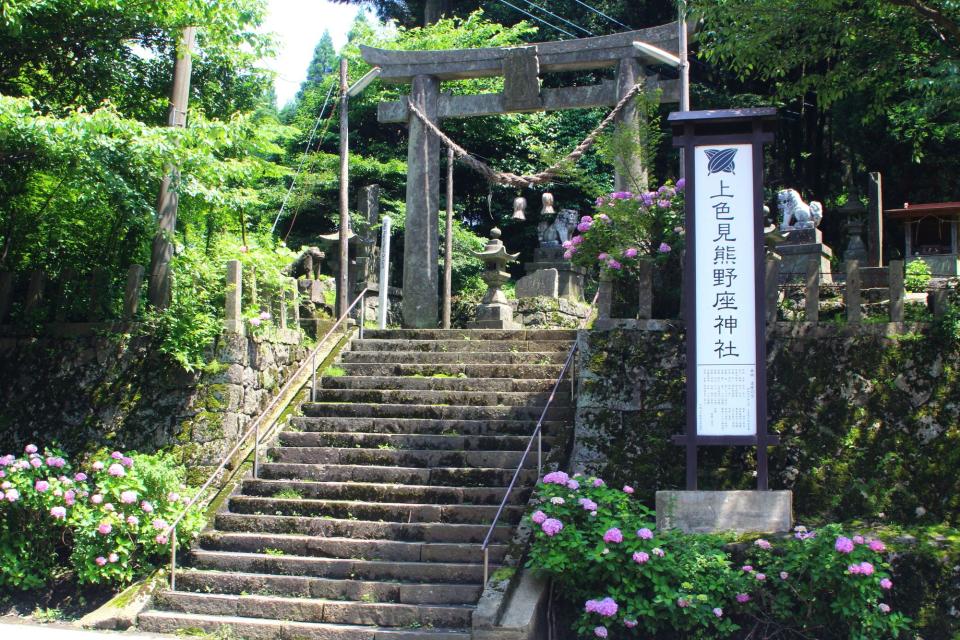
(870, 426)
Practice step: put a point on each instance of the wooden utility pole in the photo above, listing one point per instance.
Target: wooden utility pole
(344, 194)
(159, 290)
(448, 244)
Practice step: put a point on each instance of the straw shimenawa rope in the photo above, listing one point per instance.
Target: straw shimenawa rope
(511, 179)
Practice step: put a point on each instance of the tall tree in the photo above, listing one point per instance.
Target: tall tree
(324, 60)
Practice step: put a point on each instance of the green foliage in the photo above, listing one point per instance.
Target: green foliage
(918, 276)
(334, 372)
(602, 548)
(108, 525)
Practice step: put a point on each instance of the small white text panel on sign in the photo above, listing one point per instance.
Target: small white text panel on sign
(726, 362)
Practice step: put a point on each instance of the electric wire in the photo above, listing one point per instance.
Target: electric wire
(601, 13)
(561, 18)
(296, 212)
(303, 158)
(527, 13)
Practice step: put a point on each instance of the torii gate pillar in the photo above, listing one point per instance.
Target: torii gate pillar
(421, 231)
(630, 174)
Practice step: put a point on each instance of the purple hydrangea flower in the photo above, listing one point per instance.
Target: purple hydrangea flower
(664, 248)
(588, 504)
(630, 253)
(573, 485)
(551, 526)
(844, 545)
(641, 557)
(743, 597)
(886, 583)
(556, 477)
(538, 517)
(681, 183)
(613, 535)
(645, 534)
(607, 607)
(600, 632)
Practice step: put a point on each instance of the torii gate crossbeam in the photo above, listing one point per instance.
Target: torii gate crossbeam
(520, 67)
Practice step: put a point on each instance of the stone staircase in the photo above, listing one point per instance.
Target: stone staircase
(367, 521)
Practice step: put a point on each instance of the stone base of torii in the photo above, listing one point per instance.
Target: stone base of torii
(520, 68)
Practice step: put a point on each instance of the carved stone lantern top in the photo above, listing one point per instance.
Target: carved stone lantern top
(495, 252)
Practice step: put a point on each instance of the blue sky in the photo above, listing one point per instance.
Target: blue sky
(298, 24)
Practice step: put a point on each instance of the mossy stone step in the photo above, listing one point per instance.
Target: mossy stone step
(422, 426)
(386, 614)
(450, 442)
(369, 549)
(463, 357)
(263, 629)
(326, 588)
(385, 492)
(537, 335)
(399, 457)
(380, 570)
(433, 411)
(464, 398)
(433, 346)
(401, 368)
(436, 476)
(386, 511)
(361, 529)
(442, 384)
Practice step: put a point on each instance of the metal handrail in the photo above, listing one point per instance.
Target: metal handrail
(171, 531)
(538, 435)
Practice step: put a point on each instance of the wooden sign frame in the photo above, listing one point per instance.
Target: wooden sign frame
(691, 129)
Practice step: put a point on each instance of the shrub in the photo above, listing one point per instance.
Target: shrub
(604, 550)
(918, 276)
(106, 523)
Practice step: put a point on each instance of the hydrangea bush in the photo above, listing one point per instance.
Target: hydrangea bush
(628, 229)
(105, 519)
(631, 580)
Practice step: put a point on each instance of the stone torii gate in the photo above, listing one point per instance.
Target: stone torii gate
(520, 68)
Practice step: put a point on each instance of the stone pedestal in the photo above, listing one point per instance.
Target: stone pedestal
(800, 247)
(569, 277)
(716, 511)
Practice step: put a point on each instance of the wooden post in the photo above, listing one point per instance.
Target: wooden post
(343, 277)
(34, 291)
(159, 291)
(812, 299)
(645, 284)
(131, 295)
(852, 292)
(630, 174)
(233, 319)
(448, 244)
(420, 253)
(896, 290)
(6, 292)
(772, 288)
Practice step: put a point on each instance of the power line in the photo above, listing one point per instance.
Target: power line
(601, 13)
(303, 158)
(527, 13)
(547, 11)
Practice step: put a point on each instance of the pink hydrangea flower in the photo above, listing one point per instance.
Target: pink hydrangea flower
(607, 607)
(101, 561)
(265, 315)
(613, 264)
(858, 540)
(133, 521)
(161, 539)
(588, 504)
(602, 256)
(567, 255)
(108, 507)
(116, 455)
(645, 534)
(96, 498)
(760, 576)
(113, 557)
(80, 477)
(853, 569)
(126, 461)
(58, 512)
(630, 253)
(98, 466)
(743, 597)
(597, 482)
(146, 506)
(567, 244)
(538, 517)
(657, 551)
(784, 575)
(866, 568)
(629, 624)
(613, 535)
(641, 557)
(11, 495)
(664, 248)
(844, 545)
(877, 546)
(116, 470)
(104, 529)
(600, 632)
(557, 500)
(573, 485)
(551, 526)
(747, 568)
(41, 486)
(886, 583)
(255, 322)
(30, 448)
(627, 489)
(36, 463)
(763, 544)
(556, 477)
(717, 611)
(159, 523)
(128, 497)
(884, 607)
(576, 240)
(683, 603)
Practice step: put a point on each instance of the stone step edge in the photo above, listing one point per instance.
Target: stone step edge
(382, 466)
(348, 503)
(245, 555)
(339, 521)
(294, 599)
(217, 533)
(362, 485)
(266, 623)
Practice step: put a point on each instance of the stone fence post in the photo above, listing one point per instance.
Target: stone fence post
(6, 291)
(772, 287)
(852, 292)
(812, 297)
(645, 298)
(896, 290)
(233, 320)
(605, 298)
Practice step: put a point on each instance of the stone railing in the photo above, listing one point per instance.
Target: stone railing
(70, 298)
(859, 295)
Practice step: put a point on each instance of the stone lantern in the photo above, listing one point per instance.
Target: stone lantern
(494, 311)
